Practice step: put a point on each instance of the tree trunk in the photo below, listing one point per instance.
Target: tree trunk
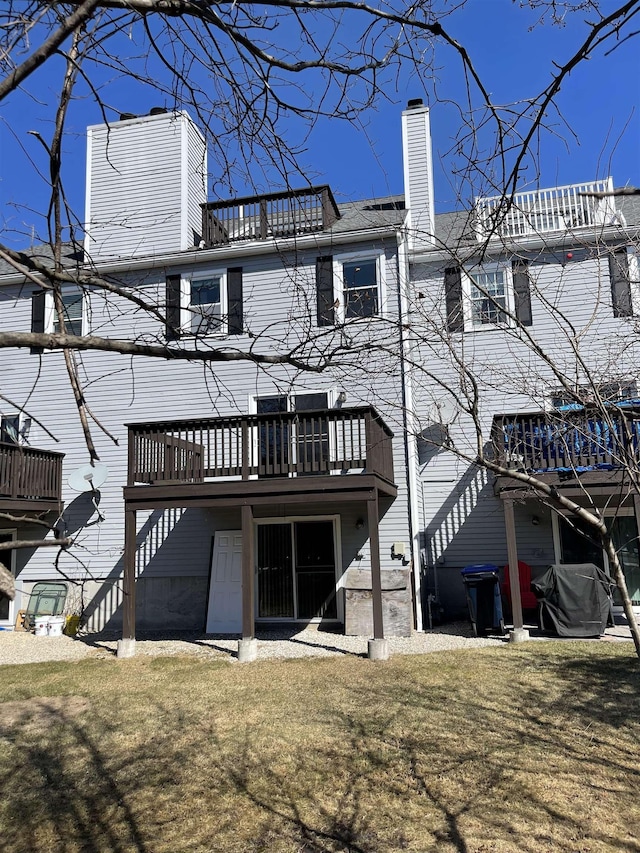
(618, 575)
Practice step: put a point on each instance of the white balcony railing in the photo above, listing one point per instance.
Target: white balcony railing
(542, 211)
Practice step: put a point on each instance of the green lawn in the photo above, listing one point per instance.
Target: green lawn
(533, 747)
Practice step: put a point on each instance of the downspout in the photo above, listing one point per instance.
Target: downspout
(408, 423)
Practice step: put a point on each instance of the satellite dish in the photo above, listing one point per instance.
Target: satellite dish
(88, 478)
(444, 412)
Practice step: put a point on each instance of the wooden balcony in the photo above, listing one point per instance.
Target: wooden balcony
(284, 214)
(284, 454)
(29, 478)
(571, 443)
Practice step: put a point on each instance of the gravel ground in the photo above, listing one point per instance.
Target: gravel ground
(19, 647)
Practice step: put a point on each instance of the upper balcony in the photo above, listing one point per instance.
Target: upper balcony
(569, 442)
(29, 478)
(291, 213)
(558, 209)
(280, 453)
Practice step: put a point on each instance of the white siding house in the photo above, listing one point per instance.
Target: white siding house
(241, 492)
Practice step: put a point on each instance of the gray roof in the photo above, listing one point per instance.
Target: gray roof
(387, 212)
(453, 229)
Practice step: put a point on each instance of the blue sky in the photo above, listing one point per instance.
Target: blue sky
(596, 131)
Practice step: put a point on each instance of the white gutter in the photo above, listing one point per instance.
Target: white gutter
(409, 421)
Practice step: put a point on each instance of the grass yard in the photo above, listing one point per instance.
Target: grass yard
(523, 748)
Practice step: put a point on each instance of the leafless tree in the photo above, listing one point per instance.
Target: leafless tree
(245, 71)
(578, 355)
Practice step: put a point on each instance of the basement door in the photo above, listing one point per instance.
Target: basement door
(296, 570)
(224, 611)
(7, 607)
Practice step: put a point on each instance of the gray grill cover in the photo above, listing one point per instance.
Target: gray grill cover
(575, 600)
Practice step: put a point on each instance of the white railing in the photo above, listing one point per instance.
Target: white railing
(541, 211)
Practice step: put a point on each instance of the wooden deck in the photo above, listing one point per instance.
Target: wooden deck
(285, 214)
(30, 479)
(301, 456)
(575, 440)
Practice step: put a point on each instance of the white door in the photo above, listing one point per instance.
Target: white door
(224, 612)
(8, 558)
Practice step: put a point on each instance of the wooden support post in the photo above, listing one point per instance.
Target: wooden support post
(126, 646)
(519, 632)
(376, 582)
(248, 627)
(247, 645)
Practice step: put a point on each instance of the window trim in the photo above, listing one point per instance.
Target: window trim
(376, 255)
(50, 316)
(332, 397)
(24, 426)
(467, 300)
(187, 315)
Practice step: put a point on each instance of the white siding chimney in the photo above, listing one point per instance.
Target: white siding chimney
(146, 180)
(418, 175)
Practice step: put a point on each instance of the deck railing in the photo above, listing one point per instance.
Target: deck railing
(30, 474)
(285, 214)
(542, 211)
(572, 440)
(246, 447)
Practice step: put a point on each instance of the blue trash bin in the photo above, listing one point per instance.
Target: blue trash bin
(482, 587)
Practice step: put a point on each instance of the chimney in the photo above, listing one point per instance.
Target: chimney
(418, 174)
(146, 180)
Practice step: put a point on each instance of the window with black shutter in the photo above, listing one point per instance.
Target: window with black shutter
(206, 294)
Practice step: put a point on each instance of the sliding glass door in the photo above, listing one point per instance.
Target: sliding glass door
(296, 570)
(576, 544)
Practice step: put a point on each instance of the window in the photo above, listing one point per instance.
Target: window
(300, 445)
(14, 428)
(488, 297)
(484, 297)
(73, 309)
(205, 305)
(610, 392)
(349, 286)
(360, 293)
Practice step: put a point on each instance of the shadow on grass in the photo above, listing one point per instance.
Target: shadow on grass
(528, 751)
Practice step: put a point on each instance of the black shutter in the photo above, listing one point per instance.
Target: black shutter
(522, 291)
(37, 315)
(620, 284)
(324, 291)
(235, 325)
(453, 297)
(173, 307)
